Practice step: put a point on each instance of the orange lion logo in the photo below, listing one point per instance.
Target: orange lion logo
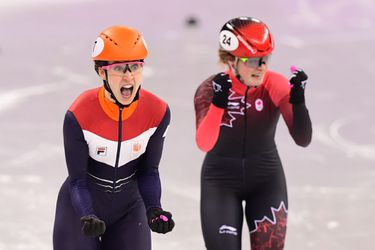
(137, 147)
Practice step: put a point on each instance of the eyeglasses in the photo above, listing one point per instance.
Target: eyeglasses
(255, 62)
(119, 69)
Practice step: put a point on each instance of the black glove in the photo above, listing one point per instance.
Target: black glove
(221, 84)
(92, 226)
(298, 82)
(160, 221)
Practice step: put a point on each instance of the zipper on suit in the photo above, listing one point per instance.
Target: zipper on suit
(118, 147)
(244, 139)
(245, 126)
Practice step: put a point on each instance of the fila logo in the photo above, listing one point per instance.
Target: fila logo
(259, 104)
(101, 151)
(224, 229)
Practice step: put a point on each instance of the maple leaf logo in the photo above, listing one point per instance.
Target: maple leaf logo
(269, 233)
(277, 213)
(236, 107)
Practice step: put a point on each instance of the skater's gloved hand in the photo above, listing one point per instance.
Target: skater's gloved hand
(160, 221)
(92, 226)
(221, 84)
(298, 83)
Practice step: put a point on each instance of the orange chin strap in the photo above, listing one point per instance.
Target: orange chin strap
(112, 109)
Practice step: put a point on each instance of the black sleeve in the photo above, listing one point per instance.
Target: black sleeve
(148, 175)
(76, 155)
(302, 128)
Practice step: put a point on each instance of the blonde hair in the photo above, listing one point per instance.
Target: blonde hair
(225, 57)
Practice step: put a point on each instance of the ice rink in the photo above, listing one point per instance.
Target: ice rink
(45, 49)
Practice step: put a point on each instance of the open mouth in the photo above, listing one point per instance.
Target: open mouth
(255, 75)
(126, 91)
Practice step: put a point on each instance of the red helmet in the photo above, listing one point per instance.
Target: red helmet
(119, 43)
(246, 37)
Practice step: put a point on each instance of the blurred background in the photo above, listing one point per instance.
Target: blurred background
(45, 49)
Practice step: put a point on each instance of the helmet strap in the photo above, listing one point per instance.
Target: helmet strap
(108, 88)
(234, 69)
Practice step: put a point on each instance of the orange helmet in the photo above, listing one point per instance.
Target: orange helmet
(246, 37)
(119, 43)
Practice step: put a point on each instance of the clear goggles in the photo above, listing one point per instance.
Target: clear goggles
(255, 62)
(121, 68)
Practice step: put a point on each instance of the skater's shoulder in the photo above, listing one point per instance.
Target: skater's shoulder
(276, 82)
(85, 100)
(151, 103)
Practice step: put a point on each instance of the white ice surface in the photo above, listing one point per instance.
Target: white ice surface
(45, 63)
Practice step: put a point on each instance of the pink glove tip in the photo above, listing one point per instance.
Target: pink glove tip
(163, 218)
(293, 68)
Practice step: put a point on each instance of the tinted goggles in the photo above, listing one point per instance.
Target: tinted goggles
(255, 62)
(122, 68)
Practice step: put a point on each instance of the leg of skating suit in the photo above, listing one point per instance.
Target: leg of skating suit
(124, 214)
(266, 203)
(221, 204)
(131, 232)
(67, 229)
